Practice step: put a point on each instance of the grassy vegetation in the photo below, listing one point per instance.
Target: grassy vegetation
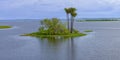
(36, 34)
(5, 27)
(88, 31)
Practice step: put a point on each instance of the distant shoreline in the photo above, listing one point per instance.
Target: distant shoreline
(96, 20)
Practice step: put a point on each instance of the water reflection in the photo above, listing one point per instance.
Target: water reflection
(71, 48)
(53, 40)
(53, 44)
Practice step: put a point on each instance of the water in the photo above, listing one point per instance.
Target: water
(101, 44)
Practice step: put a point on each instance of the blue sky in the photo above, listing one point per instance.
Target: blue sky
(23, 9)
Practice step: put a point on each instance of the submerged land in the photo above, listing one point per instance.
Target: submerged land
(88, 31)
(5, 27)
(36, 34)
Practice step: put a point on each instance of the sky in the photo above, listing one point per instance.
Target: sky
(39, 9)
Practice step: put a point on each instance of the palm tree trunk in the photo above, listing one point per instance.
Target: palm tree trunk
(73, 24)
(72, 19)
(68, 22)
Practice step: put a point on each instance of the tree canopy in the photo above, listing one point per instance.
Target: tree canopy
(52, 27)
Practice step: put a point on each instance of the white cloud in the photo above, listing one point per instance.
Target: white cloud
(80, 4)
(113, 2)
(62, 3)
(84, 6)
(16, 3)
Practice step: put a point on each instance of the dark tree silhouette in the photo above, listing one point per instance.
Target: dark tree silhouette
(67, 15)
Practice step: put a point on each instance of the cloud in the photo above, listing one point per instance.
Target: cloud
(27, 8)
(84, 5)
(8, 4)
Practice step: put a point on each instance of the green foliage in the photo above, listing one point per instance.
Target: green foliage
(74, 14)
(38, 34)
(75, 31)
(52, 27)
(5, 27)
(72, 9)
(88, 31)
(55, 28)
(67, 10)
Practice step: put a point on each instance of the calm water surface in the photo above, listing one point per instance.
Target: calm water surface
(101, 44)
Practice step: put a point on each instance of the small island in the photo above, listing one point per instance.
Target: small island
(5, 27)
(88, 31)
(55, 28)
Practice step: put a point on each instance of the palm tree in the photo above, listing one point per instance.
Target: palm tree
(73, 15)
(67, 10)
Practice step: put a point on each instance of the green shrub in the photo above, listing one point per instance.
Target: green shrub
(88, 31)
(53, 27)
(5, 27)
